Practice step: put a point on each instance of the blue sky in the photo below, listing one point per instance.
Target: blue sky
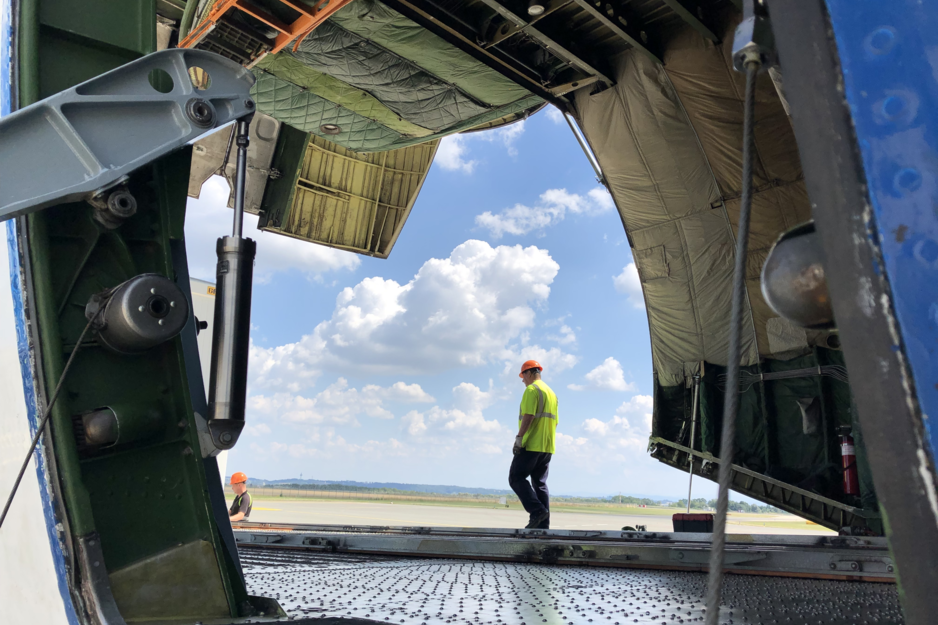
(405, 369)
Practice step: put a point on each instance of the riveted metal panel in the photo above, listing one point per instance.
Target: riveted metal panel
(356, 202)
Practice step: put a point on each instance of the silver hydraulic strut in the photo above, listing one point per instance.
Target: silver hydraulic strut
(233, 276)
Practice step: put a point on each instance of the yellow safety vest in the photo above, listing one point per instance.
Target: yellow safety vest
(539, 400)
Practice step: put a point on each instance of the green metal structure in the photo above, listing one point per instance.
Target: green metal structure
(148, 500)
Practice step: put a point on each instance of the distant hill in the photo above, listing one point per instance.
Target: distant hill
(438, 489)
(416, 488)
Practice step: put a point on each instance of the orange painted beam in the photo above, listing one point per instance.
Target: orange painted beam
(310, 18)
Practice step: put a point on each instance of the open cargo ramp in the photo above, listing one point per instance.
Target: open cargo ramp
(473, 576)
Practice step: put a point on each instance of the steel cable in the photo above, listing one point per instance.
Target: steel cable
(731, 395)
(747, 379)
(44, 421)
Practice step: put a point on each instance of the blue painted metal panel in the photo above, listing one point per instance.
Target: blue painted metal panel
(889, 55)
(6, 56)
(29, 391)
(7, 97)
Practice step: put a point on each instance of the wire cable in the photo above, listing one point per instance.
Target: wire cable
(747, 379)
(224, 163)
(45, 419)
(731, 396)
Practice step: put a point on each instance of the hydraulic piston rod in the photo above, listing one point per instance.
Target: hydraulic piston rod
(230, 339)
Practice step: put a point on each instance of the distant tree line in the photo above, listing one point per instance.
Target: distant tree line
(700, 503)
(348, 488)
(735, 506)
(623, 499)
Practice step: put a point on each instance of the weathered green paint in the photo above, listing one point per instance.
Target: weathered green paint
(28, 52)
(288, 159)
(175, 576)
(149, 495)
(77, 502)
(185, 25)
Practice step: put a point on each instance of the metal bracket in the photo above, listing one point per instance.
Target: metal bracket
(74, 144)
(554, 47)
(96, 585)
(206, 444)
(862, 564)
(754, 40)
(702, 556)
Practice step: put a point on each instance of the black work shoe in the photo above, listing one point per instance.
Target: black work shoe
(545, 524)
(537, 519)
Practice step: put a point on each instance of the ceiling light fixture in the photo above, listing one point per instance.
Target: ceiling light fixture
(330, 129)
(536, 7)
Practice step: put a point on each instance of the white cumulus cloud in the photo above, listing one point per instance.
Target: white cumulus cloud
(554, 114)
(453, 153)
(336, 404)
(613, 447)
(467, 310)
(257, 430)
(554, 360)
(551, 208)
(606, 377)
(209, 217)
(629, 284)
(566, 336)
(506, 135)
(325, 444)
(463, 424)
(629, 428)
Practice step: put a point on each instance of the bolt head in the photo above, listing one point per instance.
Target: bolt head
(200, 112)
(121, 204)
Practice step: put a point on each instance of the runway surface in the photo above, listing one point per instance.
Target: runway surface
(276, 510)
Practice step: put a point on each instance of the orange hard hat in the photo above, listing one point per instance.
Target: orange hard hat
(238, 477)
(530, 364)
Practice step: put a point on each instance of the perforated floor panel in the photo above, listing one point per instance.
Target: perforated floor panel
(432, 592)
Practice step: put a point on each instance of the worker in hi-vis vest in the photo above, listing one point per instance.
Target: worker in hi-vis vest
(241, 506)
(534, 445)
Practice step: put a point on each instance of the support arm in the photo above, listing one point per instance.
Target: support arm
(81, 142)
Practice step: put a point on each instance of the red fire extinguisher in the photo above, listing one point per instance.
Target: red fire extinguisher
(848, 456)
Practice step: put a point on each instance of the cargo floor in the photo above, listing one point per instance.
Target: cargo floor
(432, 592)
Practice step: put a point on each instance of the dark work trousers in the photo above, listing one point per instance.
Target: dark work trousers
(533, 464)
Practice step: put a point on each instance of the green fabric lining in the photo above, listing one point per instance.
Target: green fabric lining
(307, 111)
(514, 107)
(770, 435)
(405, 88)
(396, 33)
(290, 69)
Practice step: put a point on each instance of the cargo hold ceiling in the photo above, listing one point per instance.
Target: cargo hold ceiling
(367, 78)
(375, 78)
